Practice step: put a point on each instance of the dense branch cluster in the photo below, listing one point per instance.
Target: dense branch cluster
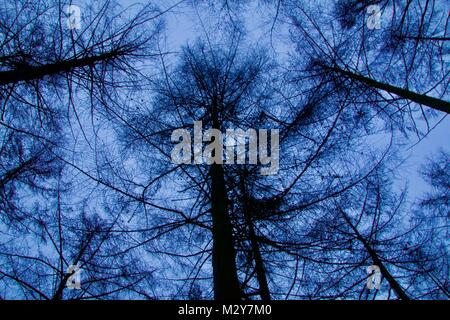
(87, 179)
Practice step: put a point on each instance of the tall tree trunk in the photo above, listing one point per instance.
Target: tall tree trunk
(226, 283)
(437, 104)
(401, 294)
(264, 291)
(29, 72)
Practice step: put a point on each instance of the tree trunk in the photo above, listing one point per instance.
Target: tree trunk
(401, 294)
(28, 72)
(437, 104)
(264, 291)
(226, 283)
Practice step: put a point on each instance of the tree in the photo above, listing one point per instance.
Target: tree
(44, 65)
(115, 153)
(59, 235)
(393, 69)
(211, 85)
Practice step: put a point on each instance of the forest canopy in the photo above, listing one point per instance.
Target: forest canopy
(226, 150)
